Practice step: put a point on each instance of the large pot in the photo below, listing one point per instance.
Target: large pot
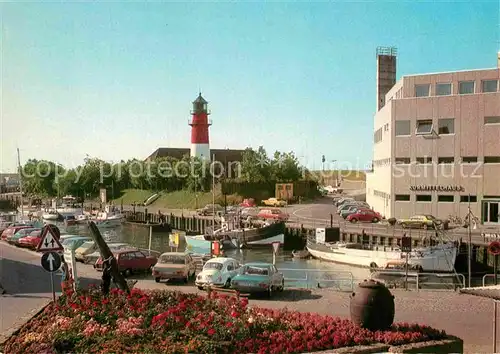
(372, 306)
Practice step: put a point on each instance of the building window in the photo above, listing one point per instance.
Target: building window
(443, 160)
(402, 160)
(469, 159)
(422, 90)
(466, 87)
(424, 198)
(492, 159)
(424, 160)
(402, 197)
(446, 198)
(468, 198)
(446, 126)
(490, 85)
(443, 89)
(377, 136)
(402, 127)
(424, 127)
(492, 120)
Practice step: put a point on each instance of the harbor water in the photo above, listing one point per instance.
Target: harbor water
(304, 273)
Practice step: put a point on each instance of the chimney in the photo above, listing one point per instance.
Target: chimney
(386, 73)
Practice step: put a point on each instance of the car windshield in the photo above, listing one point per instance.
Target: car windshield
(213, 265)
(166, 258)
(87, 245)
(430, 217)
(255, 270)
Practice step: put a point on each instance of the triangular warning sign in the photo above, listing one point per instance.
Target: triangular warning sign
(49, 241)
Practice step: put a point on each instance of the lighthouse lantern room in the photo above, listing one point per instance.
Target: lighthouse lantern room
(200, 146)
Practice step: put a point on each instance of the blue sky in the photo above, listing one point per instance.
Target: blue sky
(116, 80)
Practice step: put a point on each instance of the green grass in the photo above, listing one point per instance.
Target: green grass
(130, 196)
(330, 176)
(173, 200)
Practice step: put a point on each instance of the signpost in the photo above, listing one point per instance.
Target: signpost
(276, 247)
(51, 260)
(406, 247)
(173, 241)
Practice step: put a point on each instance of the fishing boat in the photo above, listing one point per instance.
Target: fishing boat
(302, 254)
(240, 238)
(438, 258)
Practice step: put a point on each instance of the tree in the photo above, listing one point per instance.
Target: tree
(285, 167)
(255, 165)
(38, 177)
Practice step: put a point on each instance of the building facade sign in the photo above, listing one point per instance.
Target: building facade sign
(426, 188)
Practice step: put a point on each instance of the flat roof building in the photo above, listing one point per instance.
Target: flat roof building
(436, 143)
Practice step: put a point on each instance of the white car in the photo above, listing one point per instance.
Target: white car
(217, 271)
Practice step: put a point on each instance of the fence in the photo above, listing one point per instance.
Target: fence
(318, 278)
(486, 276)
(416, 280)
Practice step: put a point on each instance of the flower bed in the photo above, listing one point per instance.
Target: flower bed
(173, 322)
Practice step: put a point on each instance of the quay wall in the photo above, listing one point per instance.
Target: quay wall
(296, 236)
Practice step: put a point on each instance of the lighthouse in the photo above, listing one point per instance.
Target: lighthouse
(199, 123)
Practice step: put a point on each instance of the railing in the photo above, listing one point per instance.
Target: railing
(314, 278)
(419, 281)
(489, 276)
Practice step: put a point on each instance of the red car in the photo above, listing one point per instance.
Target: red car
(31, 241)
(272, 214)
(130, 261)
(12, 230)
(364, 215)
(248, 203)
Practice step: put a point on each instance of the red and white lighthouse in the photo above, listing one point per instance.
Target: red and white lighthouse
(200, 146)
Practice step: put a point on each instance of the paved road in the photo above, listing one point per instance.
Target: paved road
(466, 316)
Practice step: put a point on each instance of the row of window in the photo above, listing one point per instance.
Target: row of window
(377, 136)
(440, 198)
(446, 160)
(464, 88)
(426, 126)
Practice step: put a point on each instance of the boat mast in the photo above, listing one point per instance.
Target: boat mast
(19, 174)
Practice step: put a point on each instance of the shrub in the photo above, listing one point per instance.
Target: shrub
(173, 322)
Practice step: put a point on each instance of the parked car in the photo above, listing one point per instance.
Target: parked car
(130, 261)
(258, 277)
(364, 215)
(248, 203)
(31, 241)
(174, 265)
(249, 214)
(273, 214)
(92, 257)
(340, 201)
(14, 238)
(217, 271)
(420, 222)
(274, 202)
(209, 210)
(346, 206)
(11, 230)
(351, 210)
(75, 242)
(84, 249)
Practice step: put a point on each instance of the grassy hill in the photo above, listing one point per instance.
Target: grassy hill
(329, 177)
(177, 199)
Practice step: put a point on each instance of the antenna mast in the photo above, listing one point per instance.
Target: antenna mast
(20, 182)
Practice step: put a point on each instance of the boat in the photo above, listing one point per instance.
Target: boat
(52, 215)
(438, 258)
(240, 238)
(82, 218)
(108, 223)
(157, 227)
(302, 254)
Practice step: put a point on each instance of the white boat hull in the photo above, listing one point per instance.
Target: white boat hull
(109, 223)
(50, 216)
(439, 258)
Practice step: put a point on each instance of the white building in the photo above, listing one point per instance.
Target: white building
(436, 142)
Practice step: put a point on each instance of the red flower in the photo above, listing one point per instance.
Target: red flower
(211, 332)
